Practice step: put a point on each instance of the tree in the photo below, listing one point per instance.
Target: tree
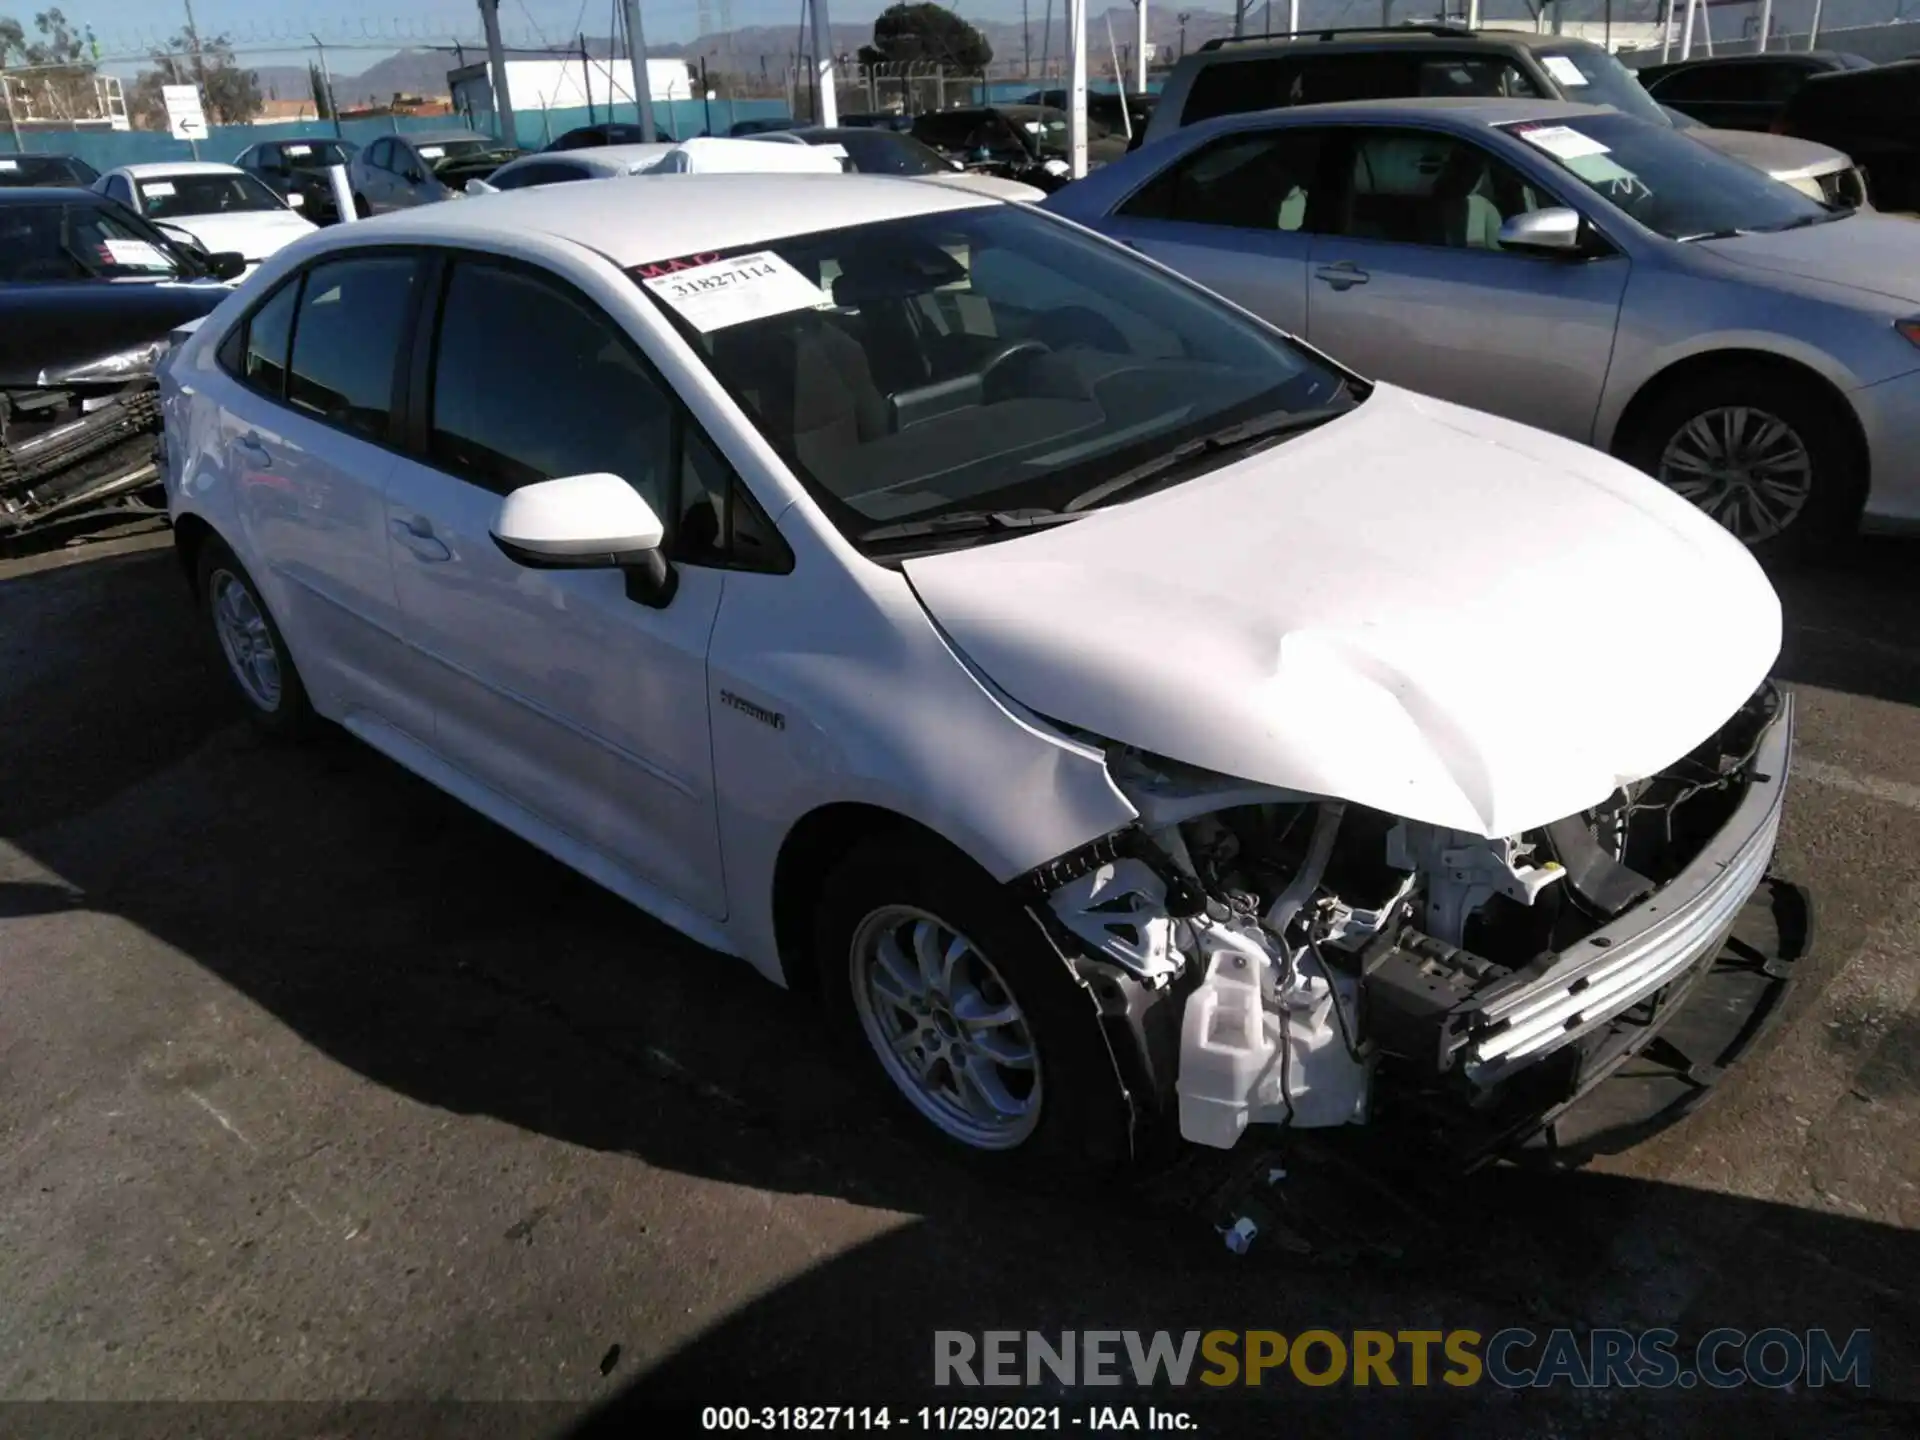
(929, 34)
(322, 101)
(60, 85)
(229, 95)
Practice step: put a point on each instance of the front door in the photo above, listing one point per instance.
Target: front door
(553, 688)
(1237, 215)
(1408, 283)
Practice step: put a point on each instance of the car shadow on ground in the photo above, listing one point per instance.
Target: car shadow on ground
(441, 958)
(1852, 620)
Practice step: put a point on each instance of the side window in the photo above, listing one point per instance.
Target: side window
(719, 522)
(1235, 87)
(544, 172)
(1412, 187)
(1326, 80)
(1475, 75)
(256, 352)
(379, 154)
(532, 382)
(119, 189)
(347, 341)
(1264, 180)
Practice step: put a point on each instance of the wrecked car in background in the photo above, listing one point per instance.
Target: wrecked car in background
(1131, 724)
(89, 295)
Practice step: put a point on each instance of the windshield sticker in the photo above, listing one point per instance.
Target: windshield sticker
(158, 187)
(1562, 141)
(731, 292)
(135, 255)
(1562, 68)
(9, 164)
(1033, 127)
(432, 152)
(299, 149)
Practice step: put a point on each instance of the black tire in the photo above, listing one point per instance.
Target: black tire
(1081, 1134)
(1830, 510)
(283, 712)
(361, 208)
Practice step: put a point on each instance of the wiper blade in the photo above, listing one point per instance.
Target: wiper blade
(1234, 437)
(962, 522)
(1734, 234)
(1826, 218)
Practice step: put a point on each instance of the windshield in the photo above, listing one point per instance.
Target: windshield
(45, 170)
(883, 152)
(1046, 129)
(1592, 76)
(984, 358)
(83, 242)
(174, 197)
(1674, 186)
(440, 152)
(318, 154)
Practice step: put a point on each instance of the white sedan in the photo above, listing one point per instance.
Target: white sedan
(221, 207)
(1130, 724)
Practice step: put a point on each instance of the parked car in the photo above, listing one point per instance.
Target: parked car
(547, 168)
(1231, 77)
(701, 155)
(1113, 114)
(1025, 143)
(886, 152)
(1874, 115)
(1573, 268)
(1817, 171)
(1742, 92)
(763, 126)
(297, 171)
(1090, 698)
(61, 170)
(610, 132)
(397, 172)
(879, 120)
(88, 297)
(222, 207)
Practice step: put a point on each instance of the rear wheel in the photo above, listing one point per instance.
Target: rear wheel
(250, 645)
(946, 993)
(1761, 452)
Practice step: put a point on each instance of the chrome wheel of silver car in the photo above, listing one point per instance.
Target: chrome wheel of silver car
(1748, 469)
(245, 639)
(946, 1027)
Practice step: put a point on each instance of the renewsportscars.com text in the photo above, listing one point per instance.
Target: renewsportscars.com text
(1514, 1358)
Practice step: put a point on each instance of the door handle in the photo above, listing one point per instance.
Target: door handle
(1342, 275)
(416, 533)
(256, 449)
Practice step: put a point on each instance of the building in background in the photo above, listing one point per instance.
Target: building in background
(554, 84)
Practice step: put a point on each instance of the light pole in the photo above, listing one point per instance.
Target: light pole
(497, 63)
(642, 81)
(827, 109)
(326, 86)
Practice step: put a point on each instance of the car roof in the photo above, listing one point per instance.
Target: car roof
(612, 158)
(630, 225)
(1366, 39)
(160, 169)
(833, 134)
(46, 194)
(436, 137)
(1475, 109)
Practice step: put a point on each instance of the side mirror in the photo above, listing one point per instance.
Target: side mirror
(587, 522)
(227, 264)
(1555, 231)
(296, 199)
(182, 237)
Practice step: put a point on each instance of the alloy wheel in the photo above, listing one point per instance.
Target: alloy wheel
(245, 639)
(1748, 469)
(946, 1027)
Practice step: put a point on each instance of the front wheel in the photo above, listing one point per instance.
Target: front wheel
(1760, 452)
(946, 992)
(250, 645)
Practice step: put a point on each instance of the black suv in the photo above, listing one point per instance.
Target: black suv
(1230, 77)
(1742, 92)
(1874, 115)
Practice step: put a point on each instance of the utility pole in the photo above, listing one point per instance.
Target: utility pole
(199, 64)
(827, 110)
(326, 86)
(642, 82)
(1026, 43)
(497, 63)
(1766, 23)
(1077, 88)
(586, 77)
(1140, 47)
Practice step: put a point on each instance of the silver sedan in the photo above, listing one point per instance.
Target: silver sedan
(1573, 268)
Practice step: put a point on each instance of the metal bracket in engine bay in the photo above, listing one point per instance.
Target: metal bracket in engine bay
(1463, 871)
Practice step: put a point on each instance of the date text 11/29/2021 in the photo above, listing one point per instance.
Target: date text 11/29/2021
(1091, 1419)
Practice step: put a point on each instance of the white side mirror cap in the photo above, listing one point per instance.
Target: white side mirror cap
(580, 522)
(477, 186)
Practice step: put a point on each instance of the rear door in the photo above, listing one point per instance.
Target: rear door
(306, 434)
(1237, 214)
(1408, 283)
(578, 705)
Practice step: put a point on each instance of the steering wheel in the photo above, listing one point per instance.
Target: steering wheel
(1007, 353)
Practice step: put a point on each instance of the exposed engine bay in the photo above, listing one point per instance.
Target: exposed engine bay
(1325, 958)
(69, 447)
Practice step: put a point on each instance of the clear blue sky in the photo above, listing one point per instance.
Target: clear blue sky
(358, 32)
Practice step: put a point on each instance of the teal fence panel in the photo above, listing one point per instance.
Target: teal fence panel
(109, 149)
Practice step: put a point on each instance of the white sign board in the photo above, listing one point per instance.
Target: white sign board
(184, 115)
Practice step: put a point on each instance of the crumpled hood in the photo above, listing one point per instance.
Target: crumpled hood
(256, 234)
(1417, 607)
(1878, 253)
(1778, 155)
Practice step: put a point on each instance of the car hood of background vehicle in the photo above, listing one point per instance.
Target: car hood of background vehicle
(1877, 253)
(51, 326)
(994, 185)
(1776, 154)
(1416, 607)
(256, 234)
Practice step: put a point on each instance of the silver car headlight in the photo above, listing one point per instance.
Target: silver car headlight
(122, 365)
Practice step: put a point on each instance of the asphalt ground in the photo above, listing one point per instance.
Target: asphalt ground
(319, 1091)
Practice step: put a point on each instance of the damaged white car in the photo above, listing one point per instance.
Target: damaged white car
(1132, 725)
